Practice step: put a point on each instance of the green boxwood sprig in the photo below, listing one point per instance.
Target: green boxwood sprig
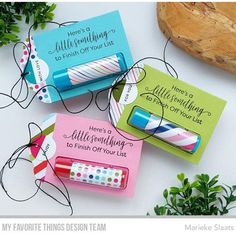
(12, 12)
(204, 196)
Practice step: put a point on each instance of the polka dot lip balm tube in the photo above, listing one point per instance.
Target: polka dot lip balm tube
(166, 131)
(91, 173)
(86, 73)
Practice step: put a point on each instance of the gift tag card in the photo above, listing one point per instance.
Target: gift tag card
(182, 125)
(77, 58)
(87, 154)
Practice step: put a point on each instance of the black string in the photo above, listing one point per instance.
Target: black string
(11, 162)
(165, 63)
(123, 76)
(23, 83)
(2, 182)
(121, 81)
(21, 80)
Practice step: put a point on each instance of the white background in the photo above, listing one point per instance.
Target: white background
(158, 169)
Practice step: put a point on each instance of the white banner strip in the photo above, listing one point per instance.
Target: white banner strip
(117, 226)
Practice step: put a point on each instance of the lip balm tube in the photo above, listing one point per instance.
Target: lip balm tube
(86, 73)
(167, 131)
(92, 172)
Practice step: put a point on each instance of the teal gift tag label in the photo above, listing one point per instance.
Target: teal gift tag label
(73, 45)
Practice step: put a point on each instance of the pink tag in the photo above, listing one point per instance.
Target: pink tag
(89, 141)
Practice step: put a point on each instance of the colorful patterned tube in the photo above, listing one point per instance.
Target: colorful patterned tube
(167, 131)
(94, 173)
(87, 73)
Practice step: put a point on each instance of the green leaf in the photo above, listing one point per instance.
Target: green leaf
(233, 198)
(216, 189)
(160, 210)
(185, 181)
(2, 22)
(165, 193)
(49, 15)
(35, 25)
(201, 197)
(180, 176)
(186, 187)
(174, 190)
(43, 25)
(52, 7)
(27, 19)
(194, 184)
(36, 14)
(11, 13)
(15, 28)
(214, 180)
(10, 36)
(173, 200)
(234, 188)
(205, 178)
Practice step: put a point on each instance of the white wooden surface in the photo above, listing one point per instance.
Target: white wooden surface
(158, 169)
